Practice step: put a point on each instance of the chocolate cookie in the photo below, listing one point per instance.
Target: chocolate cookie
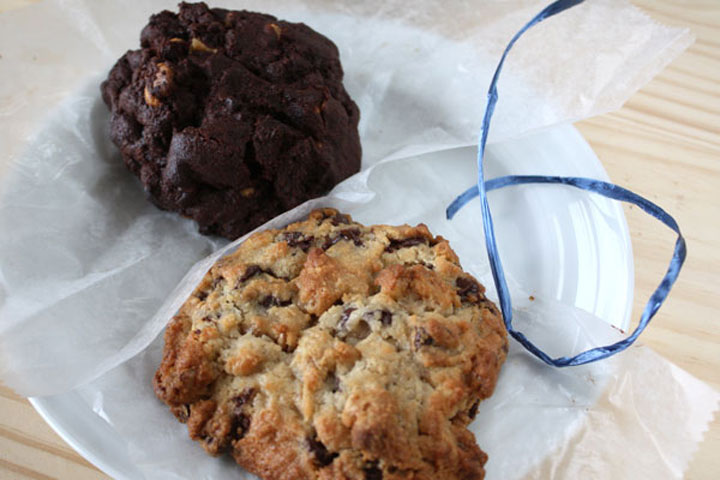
(232, 117)
(331, 350)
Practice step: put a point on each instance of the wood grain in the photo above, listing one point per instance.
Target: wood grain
(664, 144)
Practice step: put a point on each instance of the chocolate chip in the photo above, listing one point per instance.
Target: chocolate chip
(197, 331)
(345, 316)
(250, 272)
(241, 424)
(201, 295)
(322, 457)
(240, 420)
(372, 471)
(297, 239)
(422, 338)
(245, 396)
(472, 413)
(273, 301)
(405, 243)
(243, 399)
(329, 242)
(339, 219)
(385, 316)
(354, 235)
(467, 287)
(253, 270)
(350, 234)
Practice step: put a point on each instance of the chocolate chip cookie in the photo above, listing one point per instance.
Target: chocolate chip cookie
(232, 117)
(331, 350)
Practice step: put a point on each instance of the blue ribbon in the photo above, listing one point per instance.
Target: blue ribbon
(596, 186)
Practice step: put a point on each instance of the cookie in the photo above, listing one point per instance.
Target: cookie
(331, 350)
(232, 117)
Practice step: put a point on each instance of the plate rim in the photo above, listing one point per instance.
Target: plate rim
(43, 406)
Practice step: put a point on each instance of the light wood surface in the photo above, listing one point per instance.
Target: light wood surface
(664, 144)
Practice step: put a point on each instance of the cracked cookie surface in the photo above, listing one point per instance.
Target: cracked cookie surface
(232, 117)
(332, 350)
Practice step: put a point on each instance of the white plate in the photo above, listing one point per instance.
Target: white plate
(559, 242)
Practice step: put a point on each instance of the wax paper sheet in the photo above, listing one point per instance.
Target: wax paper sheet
(90, 271)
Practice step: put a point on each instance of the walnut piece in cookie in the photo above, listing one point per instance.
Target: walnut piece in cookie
(332, 350)
(232, 117)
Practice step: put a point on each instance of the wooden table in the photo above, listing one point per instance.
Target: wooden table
(664, 144)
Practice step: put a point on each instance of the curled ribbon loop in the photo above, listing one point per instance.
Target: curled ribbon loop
(605, 189)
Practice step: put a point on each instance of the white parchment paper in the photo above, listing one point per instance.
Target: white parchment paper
(90, 271)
